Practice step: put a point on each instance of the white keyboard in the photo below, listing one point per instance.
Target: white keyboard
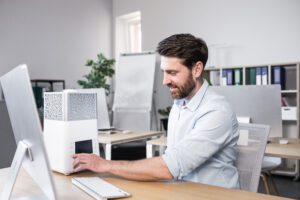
(98, 188)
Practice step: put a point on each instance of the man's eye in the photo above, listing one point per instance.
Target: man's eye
(173, 73)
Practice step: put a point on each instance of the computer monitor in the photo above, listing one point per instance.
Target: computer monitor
(30, 153)
(103, 121)
(262, 104)
(7, 140)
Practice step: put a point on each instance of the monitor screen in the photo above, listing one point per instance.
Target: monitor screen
(7, 140)
(261, 103)
(26, 127)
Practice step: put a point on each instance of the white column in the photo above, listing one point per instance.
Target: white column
(107, 151)
(149, 150)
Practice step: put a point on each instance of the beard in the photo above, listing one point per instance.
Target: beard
(183, 91)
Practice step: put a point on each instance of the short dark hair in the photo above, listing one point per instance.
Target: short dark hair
(184, 46)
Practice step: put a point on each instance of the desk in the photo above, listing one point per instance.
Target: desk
(138, 190)
(107, 140)
(289, 151)
(161, 142)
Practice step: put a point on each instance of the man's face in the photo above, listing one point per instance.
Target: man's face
(177, 77)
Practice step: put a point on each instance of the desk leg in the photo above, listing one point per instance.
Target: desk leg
(149, 150)
(297, 170)
(161, 150)
(107, 151)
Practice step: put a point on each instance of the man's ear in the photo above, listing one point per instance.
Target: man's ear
(198, 69)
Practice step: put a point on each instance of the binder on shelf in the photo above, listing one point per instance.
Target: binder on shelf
(258, 75)
(251, 76)
(230, 76)
(238, 77)
(214, 77)
(264, 75)
(279, 76)
(224, 77)
(290, 73)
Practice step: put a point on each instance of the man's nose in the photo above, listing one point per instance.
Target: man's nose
(166, 80)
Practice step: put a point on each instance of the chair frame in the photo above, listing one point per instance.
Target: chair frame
(256, 171)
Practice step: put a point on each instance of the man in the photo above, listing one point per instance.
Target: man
(202, 130)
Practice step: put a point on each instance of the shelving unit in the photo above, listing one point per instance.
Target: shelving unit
(289, 76)
(51, 82)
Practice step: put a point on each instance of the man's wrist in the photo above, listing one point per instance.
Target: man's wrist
(108, 166)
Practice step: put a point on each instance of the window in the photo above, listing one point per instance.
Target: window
(128, 34)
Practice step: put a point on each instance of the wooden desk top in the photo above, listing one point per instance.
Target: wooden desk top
(290, 150)
(118, 138)
(162, 141)
(138, 190)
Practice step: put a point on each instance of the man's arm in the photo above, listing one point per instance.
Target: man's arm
(143, 170)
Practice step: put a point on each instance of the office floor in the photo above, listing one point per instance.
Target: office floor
(285, 185)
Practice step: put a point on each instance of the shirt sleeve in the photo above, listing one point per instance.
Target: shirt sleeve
(211, 132)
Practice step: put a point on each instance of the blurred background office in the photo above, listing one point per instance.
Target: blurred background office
(56, 37)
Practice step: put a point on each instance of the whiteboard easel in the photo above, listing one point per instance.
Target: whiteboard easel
(134, 91)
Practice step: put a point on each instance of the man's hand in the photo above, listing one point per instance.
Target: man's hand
(91, 162)
(151, 169)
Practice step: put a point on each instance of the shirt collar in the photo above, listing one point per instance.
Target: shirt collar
(193, 103)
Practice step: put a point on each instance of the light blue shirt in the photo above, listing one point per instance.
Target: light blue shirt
(202, 134)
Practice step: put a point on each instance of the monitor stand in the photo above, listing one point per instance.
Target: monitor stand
(23, 150)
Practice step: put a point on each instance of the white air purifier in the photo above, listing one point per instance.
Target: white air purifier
(70, 126)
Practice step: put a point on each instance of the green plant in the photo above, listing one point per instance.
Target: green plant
(208, 81)
(101, 69)
(165, 112)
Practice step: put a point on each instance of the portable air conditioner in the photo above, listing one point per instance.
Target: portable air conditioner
(70, 126)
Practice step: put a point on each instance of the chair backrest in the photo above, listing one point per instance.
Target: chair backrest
(250, 154)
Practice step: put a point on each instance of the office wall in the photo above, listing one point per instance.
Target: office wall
(246, 32)
(54, 37)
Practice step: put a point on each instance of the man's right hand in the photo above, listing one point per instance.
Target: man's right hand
(91, 162)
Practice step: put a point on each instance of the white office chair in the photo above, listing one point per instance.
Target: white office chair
(269, 164)
(250, 154)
